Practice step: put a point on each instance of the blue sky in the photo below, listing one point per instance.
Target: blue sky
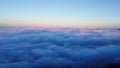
(79, 13)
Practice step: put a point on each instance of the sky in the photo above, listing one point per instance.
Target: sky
(60, 13)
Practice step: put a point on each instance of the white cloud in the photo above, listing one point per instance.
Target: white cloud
(61, 48)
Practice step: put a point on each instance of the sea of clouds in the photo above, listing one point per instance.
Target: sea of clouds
(59, 48)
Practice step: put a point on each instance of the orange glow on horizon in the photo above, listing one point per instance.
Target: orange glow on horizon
(55, 24)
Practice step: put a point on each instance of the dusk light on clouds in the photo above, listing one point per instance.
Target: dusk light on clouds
(59, 33)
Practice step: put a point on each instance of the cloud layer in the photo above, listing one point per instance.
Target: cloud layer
(59, 48)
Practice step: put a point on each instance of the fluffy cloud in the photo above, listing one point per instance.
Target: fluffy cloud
(59, 48)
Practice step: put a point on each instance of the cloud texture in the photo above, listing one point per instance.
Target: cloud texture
(59, 48)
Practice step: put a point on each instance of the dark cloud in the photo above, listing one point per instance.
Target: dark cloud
(60, 48)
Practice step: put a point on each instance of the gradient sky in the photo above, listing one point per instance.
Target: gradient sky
(78, 13)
